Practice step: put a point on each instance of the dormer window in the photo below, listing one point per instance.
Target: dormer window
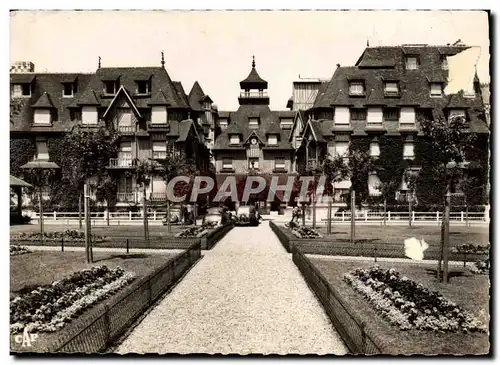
(374, 149)
(253, 122)
(223, 123)
(234, 139)
(272, 139)
(411, 62)
(21, 90)
(391, 88)
(356, 88)
(42, 116)
(436, 89)
(455, 113)
(68, 89)
(207, 105)
(110, 87)
(142, 87)
(286, 123)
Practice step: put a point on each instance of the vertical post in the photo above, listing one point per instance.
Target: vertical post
(55, 215)
(385, 212)
(86, 213)
(353, 215)
(107, 216)
(467, 215)
(42, 234)
(169, 226)
(366, 216)
(461, 216)
(329, 216)
(314, 209)
(154, 215)
(303, 215)
(409, 211)
(389, 216)
(80, 211)
(62, 244)
(413, 216)
(437, 217)
(129, 215)
(127, 246)
(343, 215)
(446, 241)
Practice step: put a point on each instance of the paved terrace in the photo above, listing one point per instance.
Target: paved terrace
(245, 296)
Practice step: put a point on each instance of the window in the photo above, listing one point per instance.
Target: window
(286, 123)
(358, 114)
(407, 116)
(234, 139)
(444, 63)
(253, 163)
(159, 149)
(412, 63)
(170, 149)
(375, 116)
(342, 115)
(279, 163)
(391, 114)
(223, 123)
(89, 115)
(436, 89)
(68, 89)
(341, 148)
(142, 87)
(42, 116)
(20, 90)
(272, 139)
(109, 87)
(408, 151)
(253, 122)
(227, 163)
(454, 113)
(159, 115)
(356, 88)
(124, 117)
(75, 114)
(42, 151)
(391, 88)
(374, 149)
(206, 106)
(125, 154)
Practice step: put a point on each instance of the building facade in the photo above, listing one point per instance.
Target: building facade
(151, 113)
(376, 106)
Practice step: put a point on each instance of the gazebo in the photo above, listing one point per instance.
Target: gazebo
(17, 184)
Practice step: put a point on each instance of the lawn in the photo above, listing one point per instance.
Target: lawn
(31, 270)
(471, 292)
(476, 235)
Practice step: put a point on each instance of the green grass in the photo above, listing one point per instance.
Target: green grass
(469, 291)
(31, 270)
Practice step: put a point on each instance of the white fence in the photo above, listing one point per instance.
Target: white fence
(100, 218)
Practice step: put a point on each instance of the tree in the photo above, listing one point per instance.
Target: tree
(335, 170)
(450, 140)
(175, 165)
(388, 190)
(143, 170)
(105, 191)
(87, 155)
(411, 178)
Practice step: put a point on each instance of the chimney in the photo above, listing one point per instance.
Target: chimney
(22, 67)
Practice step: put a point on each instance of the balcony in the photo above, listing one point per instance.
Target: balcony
(158, 196)
(126, 197)
(254, 94)
(159, 155)
(126, 129)
(120, 163)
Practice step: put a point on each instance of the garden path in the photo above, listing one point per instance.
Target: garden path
(245, 296)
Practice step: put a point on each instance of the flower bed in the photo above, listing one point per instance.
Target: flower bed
(302, 232)
(67, 235)
(471, 249)
(409, 305)
(197, 231)
(480, 267)
(48, 308)
(18, 250)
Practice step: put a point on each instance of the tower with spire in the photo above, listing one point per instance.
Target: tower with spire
(253, 89)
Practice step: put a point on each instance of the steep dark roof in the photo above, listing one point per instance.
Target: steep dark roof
(184, 129)
(273, 129)
(159, 99)
(253, 80)
(21, 109)
(182, 99)
(239, 124)
(195, 96)
(89, 97)
(43, 102)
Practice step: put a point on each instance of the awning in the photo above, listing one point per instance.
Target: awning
(40, 165)
(14, 181)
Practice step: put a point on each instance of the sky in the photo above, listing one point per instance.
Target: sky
(216, 47)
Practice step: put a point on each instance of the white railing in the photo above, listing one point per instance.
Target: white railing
(126, 197)
(159, 196)
(126, 128)
(253, 94)
(120, 162)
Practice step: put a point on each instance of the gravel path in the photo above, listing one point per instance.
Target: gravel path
(245, 296)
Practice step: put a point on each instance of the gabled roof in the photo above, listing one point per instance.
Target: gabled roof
(159, 99)
(184, 128)
(342, 98)
(195, 96)
(253, 80)
(43, 102)
(122, 91)
(182, 101)
(18, 78)
(274, 129)
(233, 128)
(14, 181)
(253, 134)
(375, 97)
(89, 97)
(315, 127)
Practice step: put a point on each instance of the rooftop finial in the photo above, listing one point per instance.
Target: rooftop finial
(99, 63)
(368, 43)
(162, 60)
(253, 61)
